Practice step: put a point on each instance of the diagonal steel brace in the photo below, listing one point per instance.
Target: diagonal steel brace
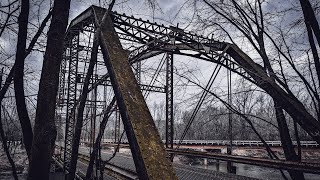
(145, 143)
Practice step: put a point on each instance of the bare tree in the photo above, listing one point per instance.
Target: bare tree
(313, 29)
(250, 22)
(20, 57)
(9, 13)
(253, 30)
(21, 53)
(4, 139)
(18, 76)
(44, 128)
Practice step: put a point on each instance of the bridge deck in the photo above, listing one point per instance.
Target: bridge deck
(184, 172)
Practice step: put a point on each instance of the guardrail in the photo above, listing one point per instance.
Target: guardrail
(271, 163)
(244, 143)
(226, 142)
(120, 172)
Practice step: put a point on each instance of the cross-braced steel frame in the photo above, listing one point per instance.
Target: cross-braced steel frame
(151, 39)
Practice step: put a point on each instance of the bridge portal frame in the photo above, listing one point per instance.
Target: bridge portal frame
(156, 39)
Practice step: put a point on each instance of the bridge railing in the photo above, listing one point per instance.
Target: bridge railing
(244, 143)
(226, 142)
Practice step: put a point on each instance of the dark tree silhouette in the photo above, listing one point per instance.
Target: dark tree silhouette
(18, 76)
(44, 128)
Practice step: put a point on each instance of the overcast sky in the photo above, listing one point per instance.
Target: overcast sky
(168, 12)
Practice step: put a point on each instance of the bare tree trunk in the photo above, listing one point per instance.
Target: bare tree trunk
(6, 84)
(79, 120)
(310, 18)
(96, 146)
(312, 26)
(313, 50)
(18, 77)
(38, 33)
(4, 140)
(286, 142)
(44, 129)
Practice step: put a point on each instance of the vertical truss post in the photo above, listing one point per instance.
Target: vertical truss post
(138, 72)
(117, 126)
(60, 103)
(145, 143)
(62, 75)
(169, 101)
(94, 106)
(92, 124)
(71, 97)
(230, 167)
(105, 94)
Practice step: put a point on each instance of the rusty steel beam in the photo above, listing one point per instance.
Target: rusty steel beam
(288, 102)
(145, 143)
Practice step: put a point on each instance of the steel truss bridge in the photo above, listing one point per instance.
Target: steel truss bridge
(117, 72)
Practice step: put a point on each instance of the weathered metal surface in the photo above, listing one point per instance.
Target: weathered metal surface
(72, 57)
(158, 39)
(288, 102)
(145, 143)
